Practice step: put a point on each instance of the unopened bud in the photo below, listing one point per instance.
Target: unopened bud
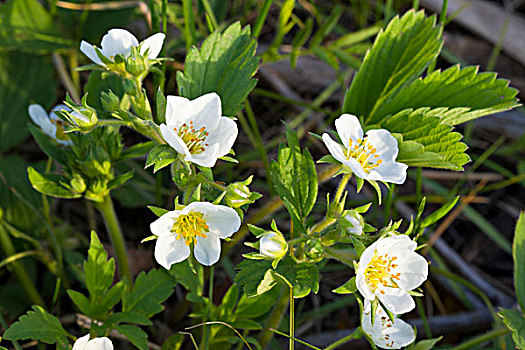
(239, 194)
(110, 101)
(273, 245)
(313, 248)
(353, 223)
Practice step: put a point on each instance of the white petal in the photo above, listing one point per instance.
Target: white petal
(100, 344)
(225, 135)
(356, 228)
(163, 225)
(173, 140)
(38, 114)
(384, 142)
(223, 220)
(169, 250)
(360, 281)
(208, 250)
(414, 271)
(59, 107)
(176, 110)
(81, 343)
(205, 111)
(348, 126)
(398, 244)
(400, 335)
(335, 149)
(390, 171)
(396, 300)
(90, 52)
(154, 44)
(118, 41)
(207, 158)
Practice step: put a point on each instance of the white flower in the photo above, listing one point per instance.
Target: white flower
(197, 130)
(370, 158)
(388, 269)
(120, 41)
(273, 245)
(94, 344)
(200, 223)
(353, 222)
(385, 333)
(50, 123)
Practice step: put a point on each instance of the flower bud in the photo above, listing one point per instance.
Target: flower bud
(135, 65)
(314, 249)
(83, 119)
(353, 223)
(239, 194)
(110, 101)
(273, 245)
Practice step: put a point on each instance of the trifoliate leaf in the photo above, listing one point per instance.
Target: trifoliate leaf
(148, 293)
(399, 55)
(467, 93)
(37, 325)
(225, 64)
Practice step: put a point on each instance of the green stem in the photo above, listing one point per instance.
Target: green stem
(335, 254)
(206, 331)
(341, 341)
(419, 184)
(19, 270)
(117, 239)
(275, 318)
(471, 344)
(342, 187)
(292, 320)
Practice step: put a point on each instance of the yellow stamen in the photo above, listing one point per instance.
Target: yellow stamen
(190, 226)
(194, 139)
(363, 151)
(378, 272)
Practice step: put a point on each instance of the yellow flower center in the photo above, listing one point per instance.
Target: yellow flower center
(190, 226)
(379, 272)
(364, 153)
(194, 139)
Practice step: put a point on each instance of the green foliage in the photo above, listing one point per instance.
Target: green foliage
(135, 335)
(518, 254)
(426, 344)
(465, 92)
(161, 156)
(438, 140)
(348, 288)
(225, 64)
(438, 214)
(399, 55)
(38, 325)
(148, 293)
(100, 82)
(515, 321)
(98, 270)
(51, 185)
(295, 180)
(24, 78)
(25, 25)
(258, 276)
(50, 147)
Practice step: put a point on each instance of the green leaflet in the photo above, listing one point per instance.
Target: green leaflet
(149, 291)
(518, 253)
(515, 321)
(399, 55)
(51, 185)
(135, 335)
(225, 64)
(98, 270)
(38, 325)
(467, 93)
(424, 128)
(161, 156)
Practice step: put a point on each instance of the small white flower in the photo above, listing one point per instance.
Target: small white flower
(353, 222)
(200, 223)
(197, 130)
(273, 245)
(50, 123)
(385, 333)
(388, 269)
(120, 41)
(84, 343)
(370, 158)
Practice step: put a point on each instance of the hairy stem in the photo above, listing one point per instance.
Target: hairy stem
(275, 318)
(19, 270)
(117, 239)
